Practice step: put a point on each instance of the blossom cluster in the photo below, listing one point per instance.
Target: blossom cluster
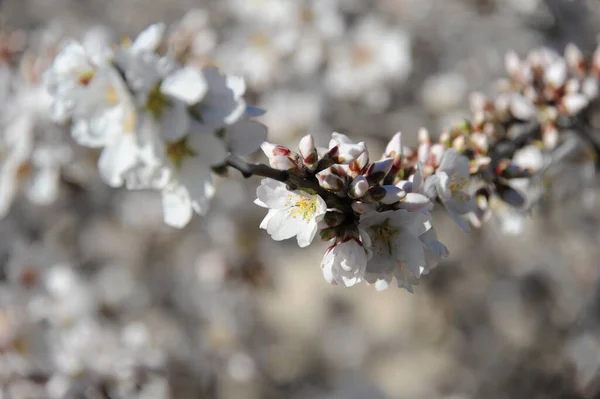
(161, 120)
(375, 213)
(160, 125)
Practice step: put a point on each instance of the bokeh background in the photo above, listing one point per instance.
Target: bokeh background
(99, 299)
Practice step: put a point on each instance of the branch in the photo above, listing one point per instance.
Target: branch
(295, 182)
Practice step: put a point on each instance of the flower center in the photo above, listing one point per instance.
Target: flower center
(456, 185)
(85, 76)
(385, 233)
(157, 102)
(304, 207)
(178, 151)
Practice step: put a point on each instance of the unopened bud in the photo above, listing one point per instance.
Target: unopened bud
(361, 207)
(392, 195)
(512, 63)
(574, 57)
(510, 195)
(414, 202)
(334, 218)
(359, 187)
(271, 150)
(405, 185)
(378, 170)
(330, 181)
(328, 233)
(350, 152)
(307, 149)
(281, 162)
(394, 147)
(522, 108)
(556, 73)
(573, 103)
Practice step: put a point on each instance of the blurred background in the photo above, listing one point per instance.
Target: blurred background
(99, 299)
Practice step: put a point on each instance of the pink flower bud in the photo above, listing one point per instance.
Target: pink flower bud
(330, 181)
(307, 149)
(394, 147)
(281, 162)
(378, 170)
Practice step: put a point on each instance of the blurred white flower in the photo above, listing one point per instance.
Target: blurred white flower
(449, 184)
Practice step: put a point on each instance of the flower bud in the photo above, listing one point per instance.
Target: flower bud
(359, 187)
(550, 136)
(361, 207)
(521, 107)
(572, 104)
(272, 150)
(394, 147)
(378, 170)
(350, 152)
(392, 195)
(339, 139)
(328, 233)
(405, 185)
(510, 195)
(330, 181)
(334, 218)
(307, 149)
(414, 202)
(574, 58)
(556, 73)
(512, 63)
(281, 162)
(589, 87)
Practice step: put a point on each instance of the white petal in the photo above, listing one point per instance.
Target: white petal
(207, 147)
(187, 84)
(282, 226)
(269, 215)
(307, 234)
(43, 190)
(245, 137)
(177, 206)
(116, 159)
(149, 39)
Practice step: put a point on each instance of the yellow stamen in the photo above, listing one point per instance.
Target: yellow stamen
(384, 232)
(178, 151)
(305, 207)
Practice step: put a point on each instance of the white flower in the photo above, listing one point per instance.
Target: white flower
(374, 55)
(47, 160)
(345, 263)
(189, 163)
(79, 84)
(393, 237)
(449, 184)
(291, 213)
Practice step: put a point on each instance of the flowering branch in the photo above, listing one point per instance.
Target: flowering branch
(167, 126)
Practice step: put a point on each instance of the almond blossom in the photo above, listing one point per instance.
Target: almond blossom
(291, 213)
